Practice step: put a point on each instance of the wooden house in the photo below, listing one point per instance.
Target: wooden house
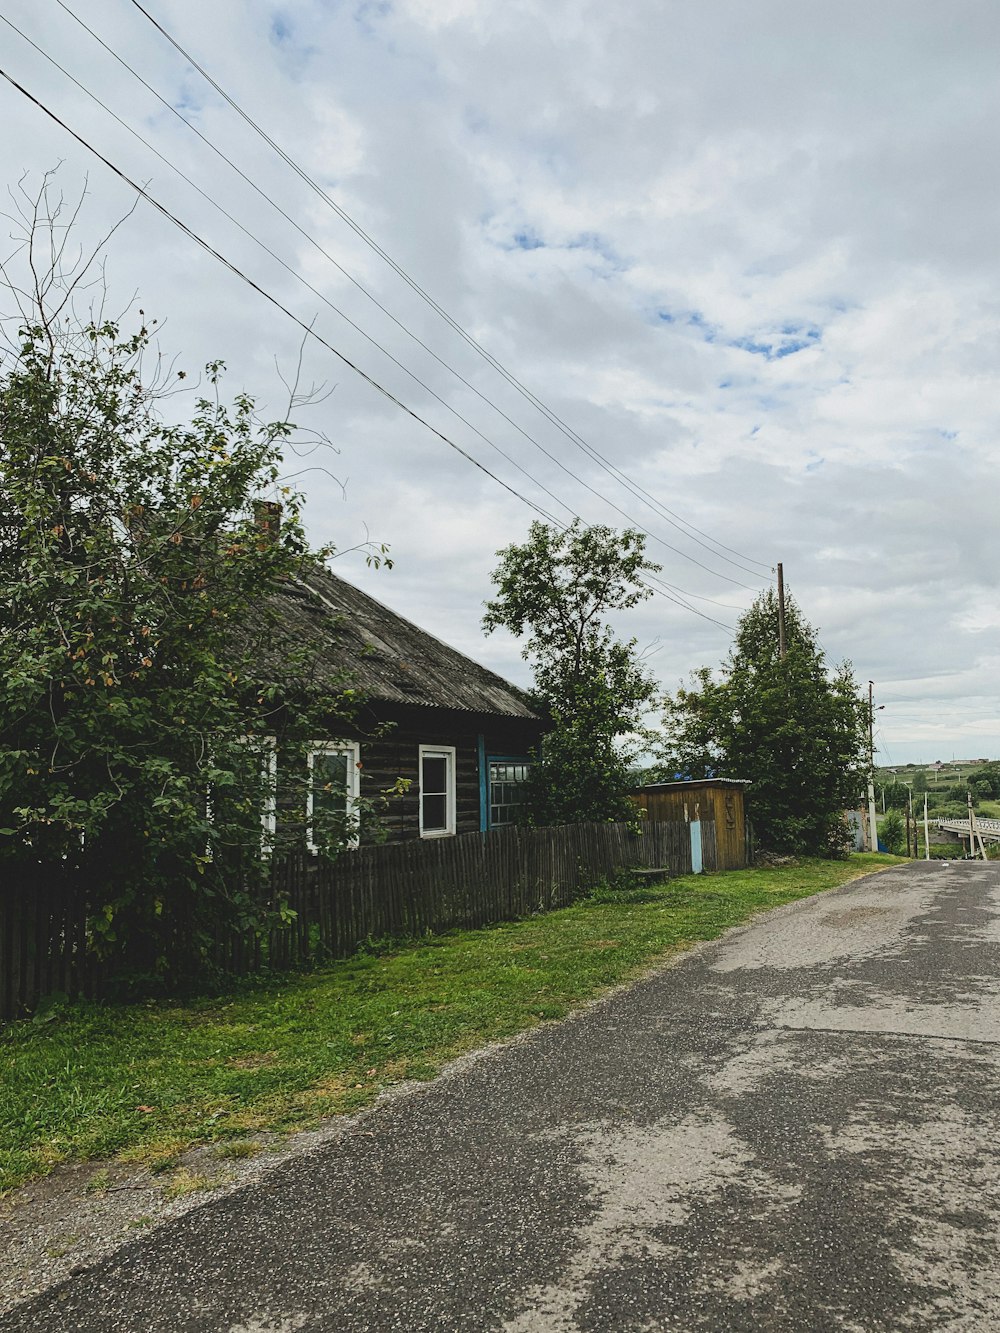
(716, 803)
(461, 736)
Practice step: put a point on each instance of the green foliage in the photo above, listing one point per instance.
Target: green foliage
(947, 851)
(557, 589)
(945, 808)
(145, 676)
(985, 784)
(892, 833)
(896, 795)
(797, 731)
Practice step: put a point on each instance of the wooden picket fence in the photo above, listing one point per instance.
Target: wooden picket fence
(399, 890)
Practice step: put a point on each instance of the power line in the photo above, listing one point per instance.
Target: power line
(306, 328)
(536, 402)
(664, 585)
(277, 258)
(216, 254)
(219, 153)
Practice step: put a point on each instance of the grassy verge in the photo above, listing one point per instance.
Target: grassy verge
(144, 1082)
(945, 851)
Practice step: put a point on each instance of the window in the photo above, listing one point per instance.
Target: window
(332, 797)
(247, 785)
(507, 779)
(269, 805)
(437, 790)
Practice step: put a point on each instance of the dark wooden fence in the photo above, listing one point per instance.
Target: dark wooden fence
(404, 889)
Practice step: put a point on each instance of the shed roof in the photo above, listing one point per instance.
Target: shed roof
(694, 784)
(389, 658)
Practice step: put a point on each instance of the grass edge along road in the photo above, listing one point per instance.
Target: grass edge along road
(143, 1082)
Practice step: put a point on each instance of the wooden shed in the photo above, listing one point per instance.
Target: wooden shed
(716, 801)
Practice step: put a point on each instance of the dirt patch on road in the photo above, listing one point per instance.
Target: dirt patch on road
(853, 916)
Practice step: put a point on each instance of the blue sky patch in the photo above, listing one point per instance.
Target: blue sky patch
(698, 321)
(693, 319)
(527, 240)
(789, 339)
(598, 245)
(752, 345)
(187, 104)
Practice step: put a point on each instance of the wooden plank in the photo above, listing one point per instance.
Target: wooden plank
(394, 890)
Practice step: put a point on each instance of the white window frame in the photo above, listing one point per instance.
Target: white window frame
(269, 813)
(447, 753)
(353, 791)
(267, 746)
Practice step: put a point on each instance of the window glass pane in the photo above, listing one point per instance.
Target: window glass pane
(330, 781)
(333, 787)
(506, 791)
(435, 810)
(434, 777)
(241, 804)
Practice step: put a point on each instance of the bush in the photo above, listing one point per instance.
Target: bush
(892, 833)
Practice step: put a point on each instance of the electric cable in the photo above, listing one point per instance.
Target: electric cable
(306, 328)
(552, 457)
(638, 491)
(322, 297)
(277, 258)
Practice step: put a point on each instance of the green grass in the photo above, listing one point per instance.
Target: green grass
(944, 851)
(144, 1082)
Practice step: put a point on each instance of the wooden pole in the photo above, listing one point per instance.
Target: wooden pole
(927, 832)
(872, 814)
(782, 648)
(974, 833)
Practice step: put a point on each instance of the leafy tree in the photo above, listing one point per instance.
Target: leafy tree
(896, 795)
(985, 784)
(920, 782)
(796, 730)
(146, 678)
(558, 589)
(892, 833)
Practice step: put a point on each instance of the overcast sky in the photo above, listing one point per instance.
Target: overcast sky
(747, 253)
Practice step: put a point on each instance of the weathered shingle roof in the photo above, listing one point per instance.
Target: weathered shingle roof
(387, 656)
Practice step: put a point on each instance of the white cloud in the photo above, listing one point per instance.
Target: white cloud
(747, 251)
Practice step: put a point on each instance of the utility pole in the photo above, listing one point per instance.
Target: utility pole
(972, 826)
(974, 832)
(910, 809)
(872, 814)
(927, 833)
(782, 647)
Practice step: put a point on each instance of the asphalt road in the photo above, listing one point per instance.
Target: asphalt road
(796, 1128)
